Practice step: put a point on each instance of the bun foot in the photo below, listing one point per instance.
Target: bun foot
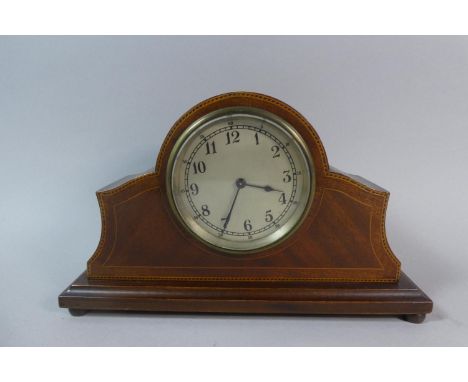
(414, 318)
(77, 312)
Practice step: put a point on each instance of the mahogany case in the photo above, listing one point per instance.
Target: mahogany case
(342, 240)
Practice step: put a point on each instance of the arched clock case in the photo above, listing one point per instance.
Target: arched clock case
(243, 214)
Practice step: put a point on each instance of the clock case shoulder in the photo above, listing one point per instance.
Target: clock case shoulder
(342, 239)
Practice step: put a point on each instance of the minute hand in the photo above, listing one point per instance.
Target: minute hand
(228, 217)
(265, 188)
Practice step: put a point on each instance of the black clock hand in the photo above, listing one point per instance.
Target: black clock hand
(240, 183)
(265, 188)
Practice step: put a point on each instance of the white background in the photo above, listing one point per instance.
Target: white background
(77, 113)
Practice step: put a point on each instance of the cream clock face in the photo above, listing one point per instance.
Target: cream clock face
(240, 179)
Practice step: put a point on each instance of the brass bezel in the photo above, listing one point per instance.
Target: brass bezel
(289, 228)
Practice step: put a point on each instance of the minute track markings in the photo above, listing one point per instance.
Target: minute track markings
(207, 138)
(276, 221)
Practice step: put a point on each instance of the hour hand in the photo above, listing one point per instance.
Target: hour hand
(265, 188)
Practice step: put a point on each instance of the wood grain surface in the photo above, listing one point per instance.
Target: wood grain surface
(342, 239)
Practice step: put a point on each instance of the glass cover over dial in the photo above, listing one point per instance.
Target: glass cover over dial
(240, 179)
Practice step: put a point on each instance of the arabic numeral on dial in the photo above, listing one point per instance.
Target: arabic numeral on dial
(205, 210)
(282, 198)
(210, 148)
(232, 137)
(194, 189)
(287, 178)
(275, 149)
(248, 225)
(256, 138)
(268, 216)
(199, 167)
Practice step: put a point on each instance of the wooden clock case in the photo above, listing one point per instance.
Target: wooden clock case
(337, 262)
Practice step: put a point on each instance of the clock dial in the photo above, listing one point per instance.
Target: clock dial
(240, 179)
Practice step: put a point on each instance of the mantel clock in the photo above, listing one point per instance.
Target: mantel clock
(243, 214)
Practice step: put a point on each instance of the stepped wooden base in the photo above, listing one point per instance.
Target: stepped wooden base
(402, 299)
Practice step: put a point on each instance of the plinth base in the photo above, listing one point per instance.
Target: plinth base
(402, 299)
